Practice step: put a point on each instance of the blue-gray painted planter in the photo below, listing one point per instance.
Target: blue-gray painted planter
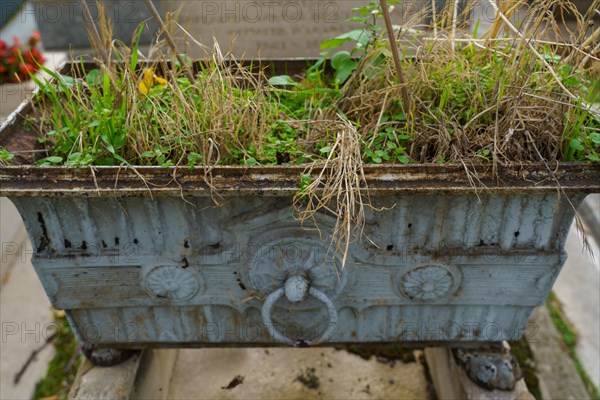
(156, 263)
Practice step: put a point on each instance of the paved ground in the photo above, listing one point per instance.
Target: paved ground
(292, 374)
(25, 313)
(558, 378)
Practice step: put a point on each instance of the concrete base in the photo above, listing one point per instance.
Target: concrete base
(452, 383)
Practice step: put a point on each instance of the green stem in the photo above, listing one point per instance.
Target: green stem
(395, 55)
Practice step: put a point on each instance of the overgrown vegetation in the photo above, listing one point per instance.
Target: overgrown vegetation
(510, 95)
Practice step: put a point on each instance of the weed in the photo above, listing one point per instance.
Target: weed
(500, 99)
(5, 156)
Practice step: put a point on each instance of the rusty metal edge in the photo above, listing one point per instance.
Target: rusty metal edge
(36, 181)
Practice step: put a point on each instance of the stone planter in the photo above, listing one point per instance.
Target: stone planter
(135, 267)
(135, 270)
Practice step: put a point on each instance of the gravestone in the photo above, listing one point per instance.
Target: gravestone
(62, 25)
(246, 28)
(270, 28)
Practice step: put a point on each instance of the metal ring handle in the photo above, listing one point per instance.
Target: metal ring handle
(298, 283)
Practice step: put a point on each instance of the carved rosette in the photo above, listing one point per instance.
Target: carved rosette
(429, 282)
(172, 282)
(276, 257)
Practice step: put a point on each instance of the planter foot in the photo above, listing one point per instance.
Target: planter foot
(492, 366)
(106, 356)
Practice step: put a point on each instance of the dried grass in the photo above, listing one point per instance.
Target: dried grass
(338, 188)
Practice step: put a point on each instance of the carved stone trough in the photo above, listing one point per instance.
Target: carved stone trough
(156, 264)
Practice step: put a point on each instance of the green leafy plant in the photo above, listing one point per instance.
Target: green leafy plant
(345, 62)
(5, 156)
(386, 147)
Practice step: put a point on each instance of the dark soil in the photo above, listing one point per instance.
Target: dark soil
(309, 379)
(237, 380)
(383, 353)
(17, 139)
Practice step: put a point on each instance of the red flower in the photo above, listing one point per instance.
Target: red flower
(18, 63)
(26, 69)
(35, 38)
(29, 57)
(36, 55)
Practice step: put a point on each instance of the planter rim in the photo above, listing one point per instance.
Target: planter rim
(109, 181)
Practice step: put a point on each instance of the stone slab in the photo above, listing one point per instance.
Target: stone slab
(115, 383)
(556, 371)
(578, 290)
(10, 22)
(62, 26)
